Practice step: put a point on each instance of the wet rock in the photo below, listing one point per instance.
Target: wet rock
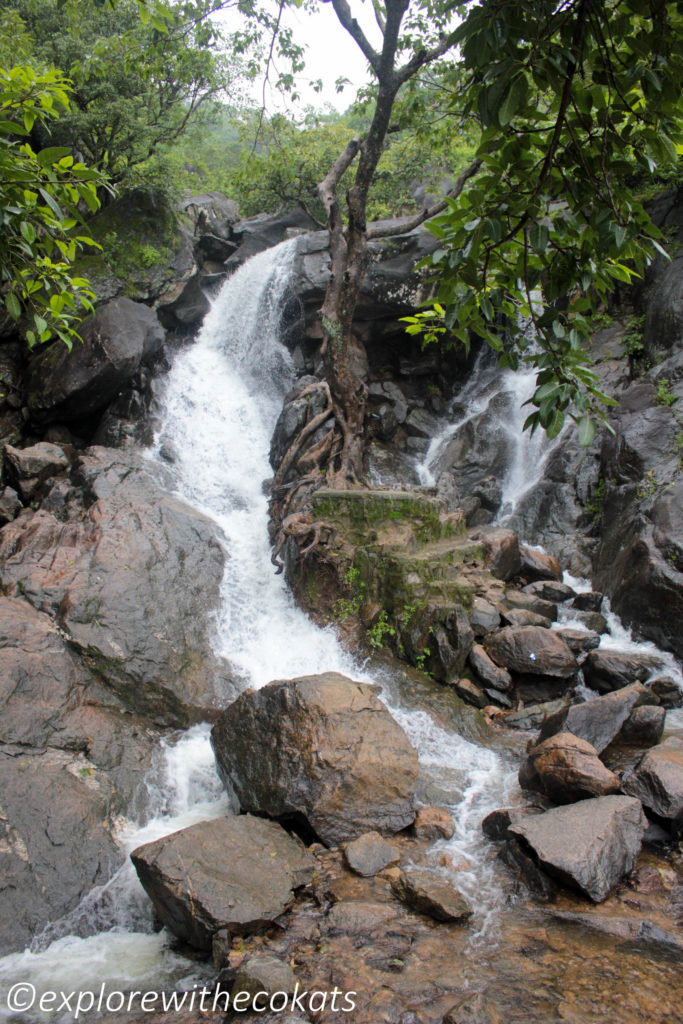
(597, 721)
(566, 768)
(10, 506)
(537, 565)
(388, 391)
(470, 692)
(496, 824)
(474, 1009)
(524, 617)
(488, 671)
(483, 618)
(550, 590)
(579, 640)
(134, 538)
(517, 599)
(360, 918)
(432, 895)
(237, 873)
(532, 651)
(323, 749)
(434, 823)
(589, 845)
(525, 868)
(644, 726)
(449, 644)
(503, 554)
(606, 670)
(658, 780)
(38, 462)
(588, 601)
(262, 972)
(667, 691)
(533, 715)
(68, 385)
(420, 423)
(593, 621)
(370, 854)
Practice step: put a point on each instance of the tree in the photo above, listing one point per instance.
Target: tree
(576, 99)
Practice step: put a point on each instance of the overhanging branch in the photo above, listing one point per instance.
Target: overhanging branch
(377, 231)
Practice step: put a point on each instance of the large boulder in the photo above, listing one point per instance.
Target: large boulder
(238, 873)
(606, 670)
(132, 580)
(589, 845)
(320, 749)
(71, 385)
(566, 768)
(532, 651)
(597, 721)
(658, 780)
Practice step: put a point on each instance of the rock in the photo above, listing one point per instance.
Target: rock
(38, 462)
(533, 715)
(420, 423)
(588, 601)
(537, 565)
(566, 768)
(432, 895)
(319, 748)
(590, 845)
(496, 824)
(532, 651)
(550, 590)
(667, 691)
(517, 599)
(360, 918)
(262, 972)
(434, 823)
(579, 640)
(597, 721)
(133, 538)
(388, 391)
(488, 672)
(212, 213)
(525, 868)
(593, 621)
(483, 618)
(503, 553)
(658, 779)
(470, 692)
(65, 385)
(524, 617)
(237, 873)
(474, 1009)
(450, 641)
(10, 506)
(370, 854)
(644, 726)
(606, 670)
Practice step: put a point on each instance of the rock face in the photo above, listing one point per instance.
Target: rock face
(532, 651)
(320, 749)
(237, 873)
(566, 768)
(430, 894)
(131, 581)
(597, 721)
(590, 845)
(71, 385)
(658, 780)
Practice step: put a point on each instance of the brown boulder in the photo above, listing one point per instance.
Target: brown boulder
(658, 780)
(566, 768)
(538, 565)
(370, 854)
(237, 873)
(598, 721)
(320, 748)
(487, 671)
(502, 553)
(434, 823)
(532, 651)
(432, 895)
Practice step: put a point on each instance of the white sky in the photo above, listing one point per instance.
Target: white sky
(330, 54)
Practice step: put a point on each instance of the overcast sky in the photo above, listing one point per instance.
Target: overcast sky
(330, 54)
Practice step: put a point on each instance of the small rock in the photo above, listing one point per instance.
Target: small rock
(579, 640)
(499, 698)
(525, 617)
(538, 565)
(370, 854)
(589, 601)
(434, 823)
(483, 618)
(37, 462)
(432, 895)
(667, 691)
(262, 972)
(594, 621)
(644, 726)
(488, 671)
(474, 1009)
(518, 599)
(10, 506)
(470, 692)
(352, 917)
(566, 768)
(533, 715)
(589, 845)
(550, 590)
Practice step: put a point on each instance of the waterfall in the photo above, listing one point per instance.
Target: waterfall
(219, 406)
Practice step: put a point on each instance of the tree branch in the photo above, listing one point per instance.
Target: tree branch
(347, 21)
(423, 57)
(377, 231)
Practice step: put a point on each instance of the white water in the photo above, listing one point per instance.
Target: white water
(222, 398)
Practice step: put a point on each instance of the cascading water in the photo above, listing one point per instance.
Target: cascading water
(222, 398)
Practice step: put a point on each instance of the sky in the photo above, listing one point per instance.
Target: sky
(330, 54)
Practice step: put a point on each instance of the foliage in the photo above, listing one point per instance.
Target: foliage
(377, 635)
(664, 395)
(574, 100)
(40, 194)
(633, 339)
(649, 487)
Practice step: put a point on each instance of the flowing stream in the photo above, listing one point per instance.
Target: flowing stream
(222, 398)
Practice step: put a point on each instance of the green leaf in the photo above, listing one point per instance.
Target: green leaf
(52, 155)
(587, 431)
(13, 305)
